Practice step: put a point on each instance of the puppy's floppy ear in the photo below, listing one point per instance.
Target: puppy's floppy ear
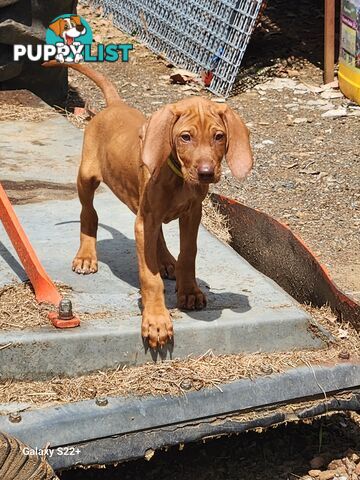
(238, 149)
(156, 138)
(56, 27)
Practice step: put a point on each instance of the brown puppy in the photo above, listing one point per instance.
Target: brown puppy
(161, 169)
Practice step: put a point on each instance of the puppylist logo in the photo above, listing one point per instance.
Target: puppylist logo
(69, 39)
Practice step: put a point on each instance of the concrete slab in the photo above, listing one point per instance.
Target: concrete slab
(246, 311)
(46, 151)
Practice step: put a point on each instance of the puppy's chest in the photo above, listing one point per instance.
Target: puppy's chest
(174, 213)
(168, 203)
(175, 207)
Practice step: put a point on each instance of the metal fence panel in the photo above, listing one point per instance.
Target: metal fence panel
(198, 35)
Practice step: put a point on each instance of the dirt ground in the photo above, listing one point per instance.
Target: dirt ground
(307, 174)
(307, 170)
(282, 453)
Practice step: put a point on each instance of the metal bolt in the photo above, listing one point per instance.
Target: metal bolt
(65, 309)
(101, 402)
(15, 417)
(344, 355)
(186, 384)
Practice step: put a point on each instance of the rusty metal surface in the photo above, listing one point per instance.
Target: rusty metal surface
(272, 248)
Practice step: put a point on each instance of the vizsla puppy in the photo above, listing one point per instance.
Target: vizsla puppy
(161, 169)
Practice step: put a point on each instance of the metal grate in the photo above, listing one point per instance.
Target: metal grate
(199, 35)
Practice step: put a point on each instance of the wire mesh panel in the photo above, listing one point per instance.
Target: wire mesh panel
(199, 35)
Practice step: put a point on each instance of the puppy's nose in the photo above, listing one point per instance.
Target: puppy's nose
(79, 28)
(205, 173)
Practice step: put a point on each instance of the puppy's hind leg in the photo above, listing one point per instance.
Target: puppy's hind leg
(85, 261)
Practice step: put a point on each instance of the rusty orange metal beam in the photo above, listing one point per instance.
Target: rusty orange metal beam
(44, 288)
(329, 41)
(271, 247)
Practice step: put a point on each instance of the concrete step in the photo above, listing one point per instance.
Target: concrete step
(246, 311)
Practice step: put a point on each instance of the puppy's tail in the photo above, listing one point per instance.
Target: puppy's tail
(108, 88)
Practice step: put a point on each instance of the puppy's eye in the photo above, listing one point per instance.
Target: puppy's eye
(219, 136)
(66, 26)
(186, 137)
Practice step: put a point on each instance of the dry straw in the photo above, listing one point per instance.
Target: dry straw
(174, 377)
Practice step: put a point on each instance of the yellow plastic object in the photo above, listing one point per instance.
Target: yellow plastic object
(349, 67)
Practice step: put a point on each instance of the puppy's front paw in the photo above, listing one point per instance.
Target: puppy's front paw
(85, 264)
(157, 328)
(191, 298)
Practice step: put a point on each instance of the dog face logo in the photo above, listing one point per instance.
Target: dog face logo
(69, 33)
(68, 28)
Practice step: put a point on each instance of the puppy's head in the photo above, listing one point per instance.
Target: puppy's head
(68, 28)
(198, 134)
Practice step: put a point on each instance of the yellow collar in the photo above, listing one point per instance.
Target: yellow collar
(173, 167)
